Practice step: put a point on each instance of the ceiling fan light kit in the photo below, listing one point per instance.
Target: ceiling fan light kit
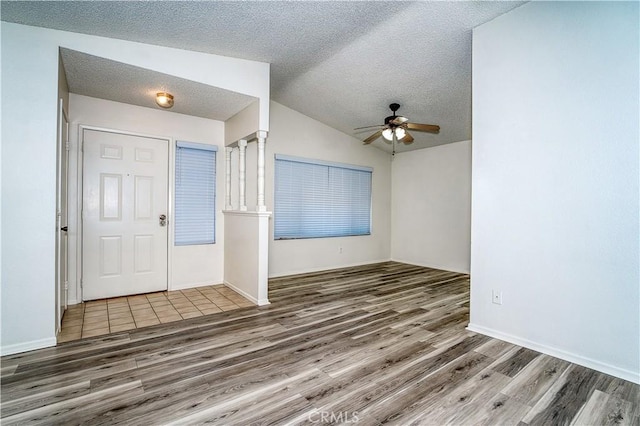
(395, 128)
(389, 133)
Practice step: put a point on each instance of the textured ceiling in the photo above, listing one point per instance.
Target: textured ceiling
(341, 63)
(102, 78)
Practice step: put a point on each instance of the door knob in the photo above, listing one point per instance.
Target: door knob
(163, 220)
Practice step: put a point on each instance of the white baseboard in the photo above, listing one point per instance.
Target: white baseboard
(27, 346)
(247, 295)
(629, 375)
(325, 268)
(432, 266)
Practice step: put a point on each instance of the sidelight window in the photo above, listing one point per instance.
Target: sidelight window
(195, 192)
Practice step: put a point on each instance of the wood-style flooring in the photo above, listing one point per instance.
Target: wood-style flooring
(377, 344)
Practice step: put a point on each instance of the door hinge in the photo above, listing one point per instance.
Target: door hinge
(67, 146)
(66, 285)
(81, 284)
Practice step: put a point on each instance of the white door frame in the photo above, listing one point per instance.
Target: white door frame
(171, 153)
(62, 179)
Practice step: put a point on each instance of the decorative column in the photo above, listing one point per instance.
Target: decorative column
(242, 146)
(227, 178)
(262, 137)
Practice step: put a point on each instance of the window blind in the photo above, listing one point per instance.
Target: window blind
(315, 199)
(195, 192)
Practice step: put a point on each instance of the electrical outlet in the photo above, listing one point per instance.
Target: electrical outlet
(497, 297)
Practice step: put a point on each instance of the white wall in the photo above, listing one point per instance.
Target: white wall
(190, 265)
(246, 254)
(63, 86)
(295, 134)
(29, 122)
(431, 207)
(29, 111)
(556, 182)
(242, 124)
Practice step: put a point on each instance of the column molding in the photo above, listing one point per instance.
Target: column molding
(242, 175)
(262, 138)
(227, 178)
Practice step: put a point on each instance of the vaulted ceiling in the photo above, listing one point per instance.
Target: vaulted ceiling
(339, 62)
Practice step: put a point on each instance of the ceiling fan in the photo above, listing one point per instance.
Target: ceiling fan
(395, 128)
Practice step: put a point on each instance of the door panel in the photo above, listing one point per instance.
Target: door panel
(143, 194)
(110, 256)
(143, 253)
(111, 197)
(125, 186)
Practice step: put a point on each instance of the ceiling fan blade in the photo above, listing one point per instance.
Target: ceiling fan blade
(432, 128)
(369, 127)
(399, 120)
(407, 138)
(373, 137)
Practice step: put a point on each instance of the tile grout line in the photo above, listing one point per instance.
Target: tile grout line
(206, 295)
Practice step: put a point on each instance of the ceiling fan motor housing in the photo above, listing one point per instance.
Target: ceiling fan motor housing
(388, 121)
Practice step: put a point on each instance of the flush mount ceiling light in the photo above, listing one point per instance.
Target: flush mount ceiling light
(164, 99)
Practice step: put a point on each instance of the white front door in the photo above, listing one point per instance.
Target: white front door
(125, 186)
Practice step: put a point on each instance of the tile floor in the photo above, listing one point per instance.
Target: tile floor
(106, 316)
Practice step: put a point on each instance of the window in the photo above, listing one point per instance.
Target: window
(320, 199)
(195, 215)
